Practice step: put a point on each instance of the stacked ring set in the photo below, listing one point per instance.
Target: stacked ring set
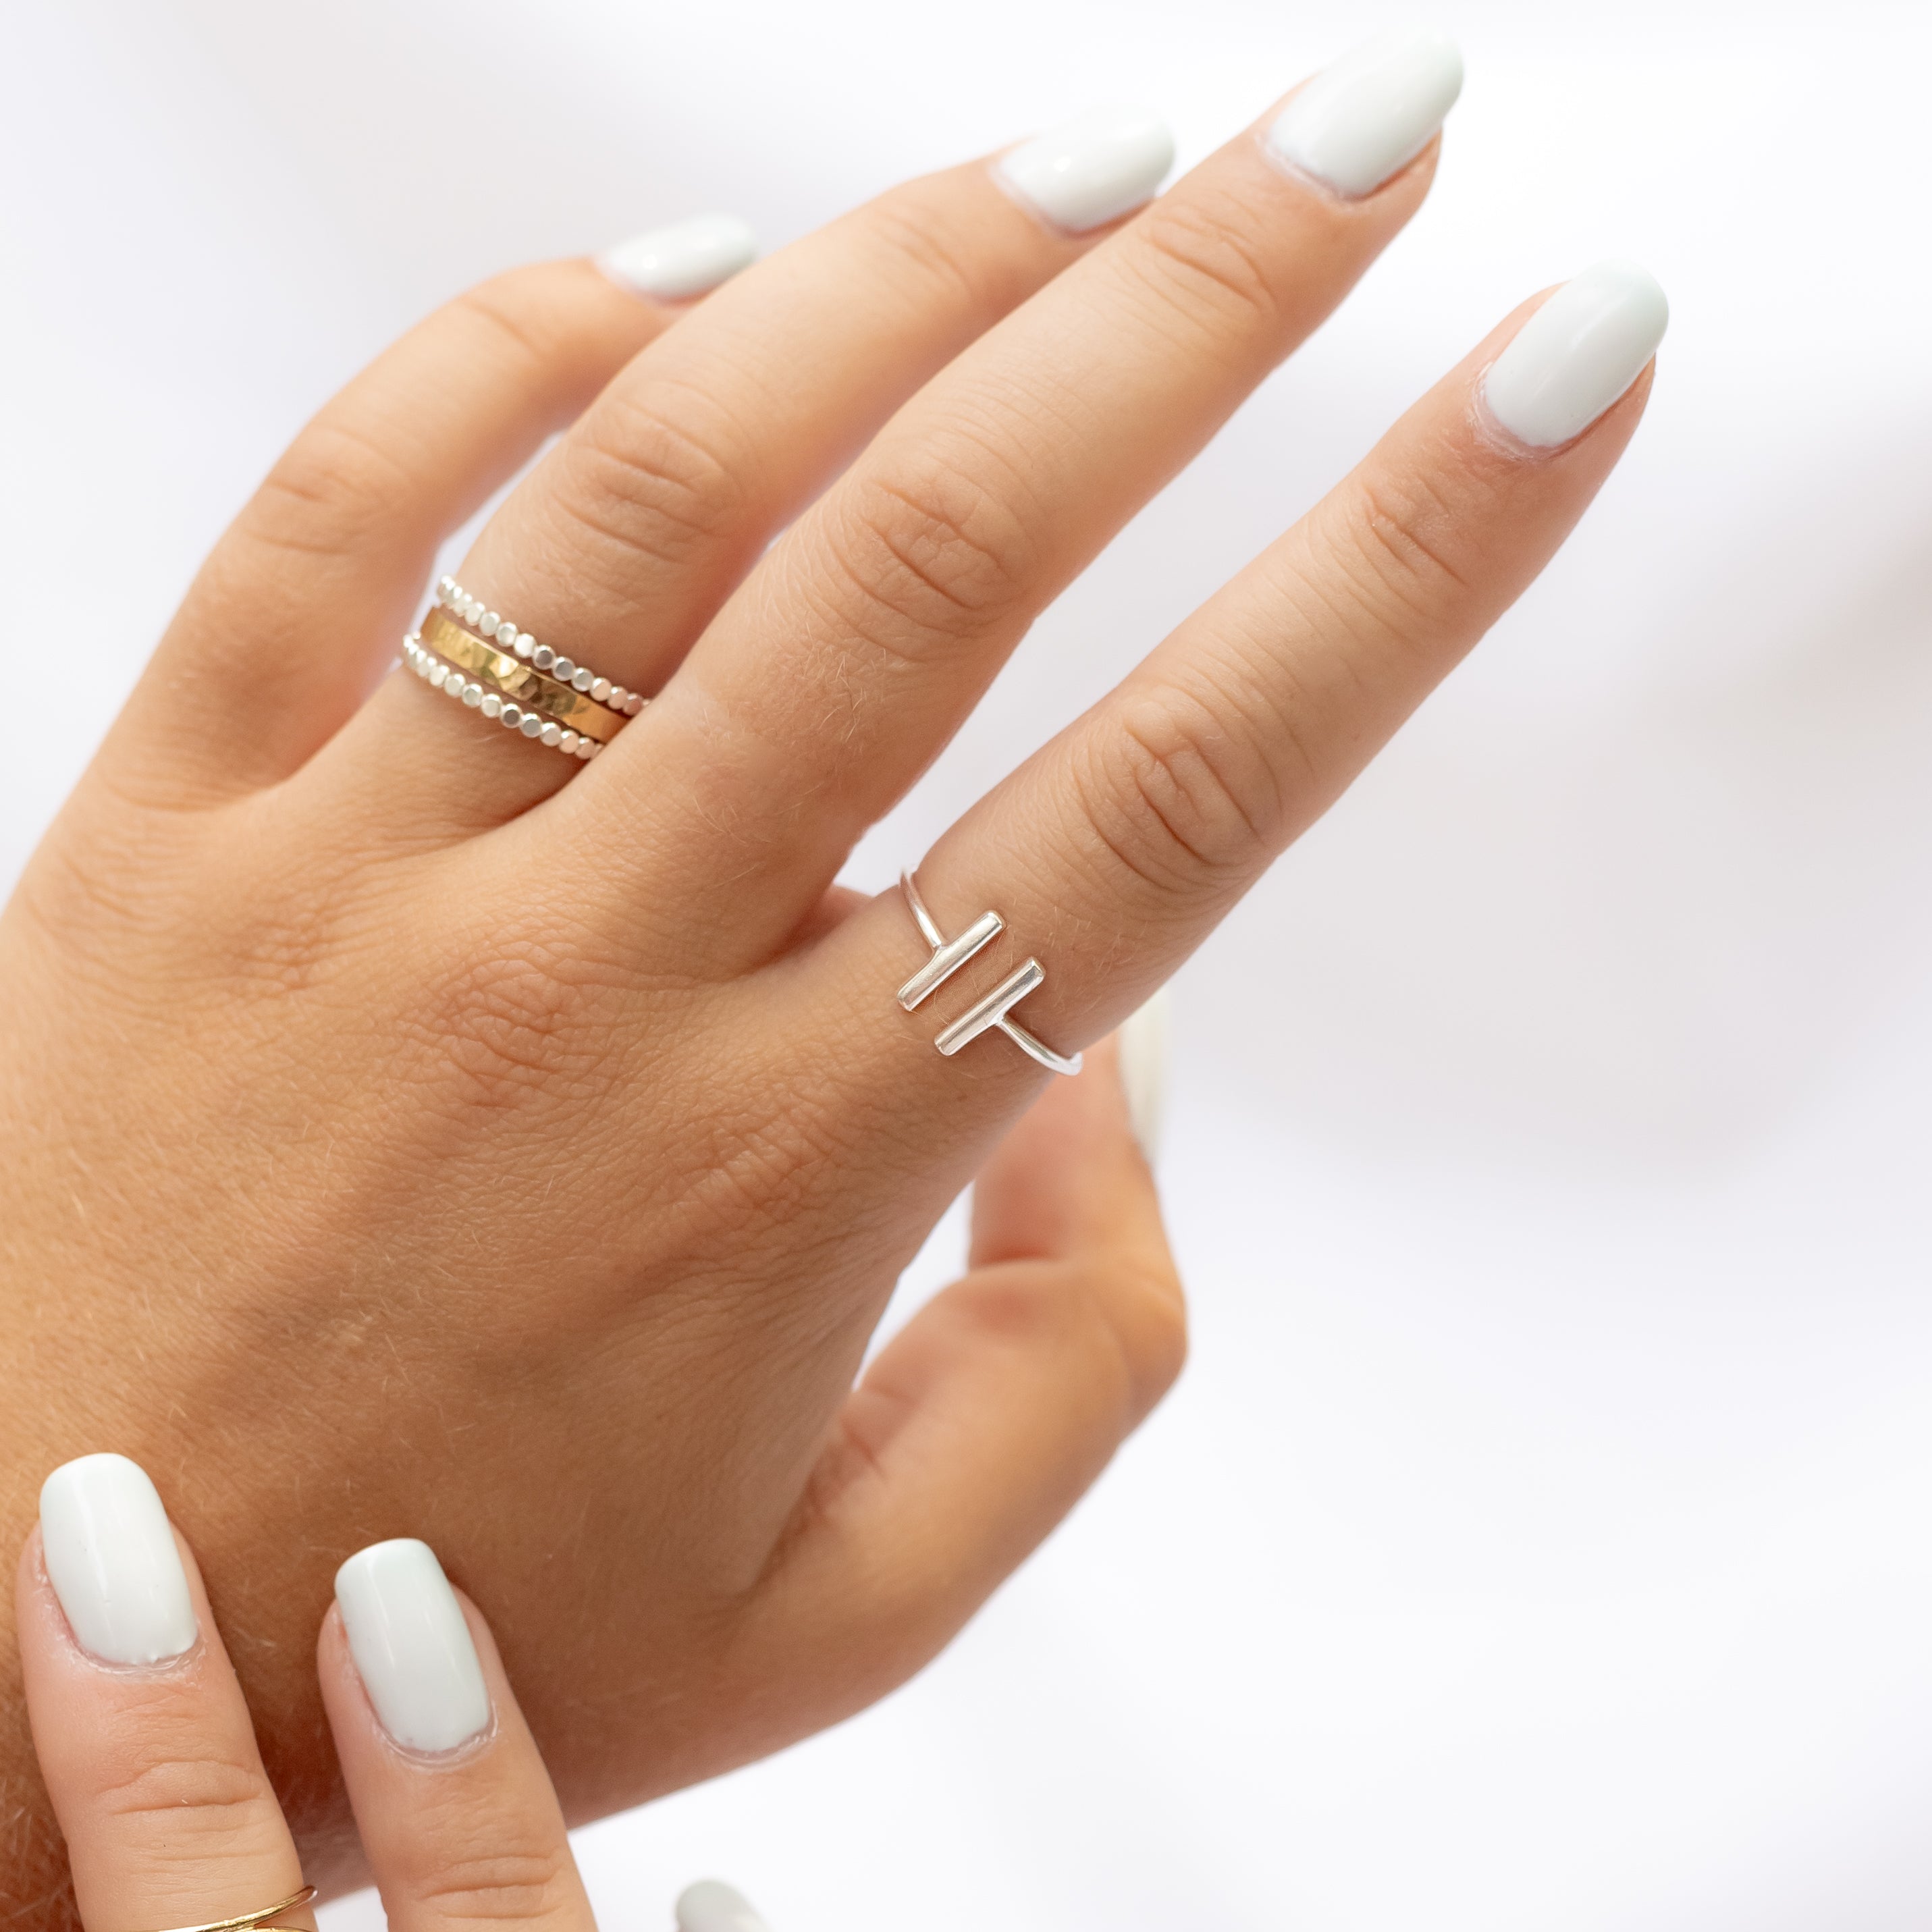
(481, 658)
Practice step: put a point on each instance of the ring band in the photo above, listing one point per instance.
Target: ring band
(452, 683)
(534, 690)
(254, 1922)
(498, 629)
(995, 1010)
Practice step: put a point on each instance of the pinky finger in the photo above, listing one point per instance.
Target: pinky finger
(456, 1813)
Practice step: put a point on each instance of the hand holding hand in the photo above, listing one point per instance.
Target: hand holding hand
(149, 1757)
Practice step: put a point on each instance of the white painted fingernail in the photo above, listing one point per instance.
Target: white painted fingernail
(685, 259)
(1143, 1039)
(411, 1646)
(111, 1556)
(1577, 354)
(1092, 169)
(710, 1905)
(1360, 121)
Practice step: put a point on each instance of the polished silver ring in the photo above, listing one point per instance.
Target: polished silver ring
(995, 1010)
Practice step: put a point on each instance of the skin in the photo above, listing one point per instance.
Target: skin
(406, 1132)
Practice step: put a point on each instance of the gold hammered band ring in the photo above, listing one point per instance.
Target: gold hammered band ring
(535, 690)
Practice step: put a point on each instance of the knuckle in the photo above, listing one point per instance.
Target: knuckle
(331, 494)
(1180, 792)
(655, 476)
(914, 227)
(1200, 258)
(925, 554)
(510, 1883)
(208, 1801)
(1399, 552)
(518, 308)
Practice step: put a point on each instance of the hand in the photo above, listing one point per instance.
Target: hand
(150, 1760)
(399, 1140)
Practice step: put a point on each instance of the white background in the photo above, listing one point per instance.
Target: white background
(1539, 1537)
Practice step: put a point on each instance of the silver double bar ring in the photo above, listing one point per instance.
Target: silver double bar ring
(995, 1010)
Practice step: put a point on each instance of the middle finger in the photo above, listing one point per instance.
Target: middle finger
(859, 644)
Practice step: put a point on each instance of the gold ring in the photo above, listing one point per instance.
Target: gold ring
(529, 686)
(253, 1921)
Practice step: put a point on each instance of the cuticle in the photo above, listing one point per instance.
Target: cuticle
(1502, 441)
(1303, 178)
(454, 1758)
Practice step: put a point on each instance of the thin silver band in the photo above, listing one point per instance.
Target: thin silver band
(995, 1011)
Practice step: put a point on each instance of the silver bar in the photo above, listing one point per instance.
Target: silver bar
(950, 957)
(992, 1009)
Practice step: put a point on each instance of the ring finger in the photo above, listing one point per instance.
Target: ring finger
(620, 546)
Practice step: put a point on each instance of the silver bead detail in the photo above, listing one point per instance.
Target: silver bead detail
(581, 679)
(543, 657)
(524, 645)
(633, 705)
(506, 632)
(531, 725)
(553, 733)
(568, 742)
(512, 715)
(599, 688)
(492, 704)
(563, 671)
(473, 695)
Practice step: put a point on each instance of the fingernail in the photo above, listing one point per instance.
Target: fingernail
(685, 259)
(111, 1556)
(1577, 354)
(1360, 121)
(710, 1905)
(1092, 169)
(1143, 1071)
(411, 1646)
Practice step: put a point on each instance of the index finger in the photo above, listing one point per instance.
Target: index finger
(1113, 851)
(143, 1738)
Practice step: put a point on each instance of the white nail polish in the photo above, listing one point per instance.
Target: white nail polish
(1577, 354)
(111, 1556)
(710, 1905)
(1144, 1039)
(1092, 169)
(411, 1646)
(686, 258)
(1362, 120)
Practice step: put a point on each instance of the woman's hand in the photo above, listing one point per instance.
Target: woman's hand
(150, 1759)
(397, 1139)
